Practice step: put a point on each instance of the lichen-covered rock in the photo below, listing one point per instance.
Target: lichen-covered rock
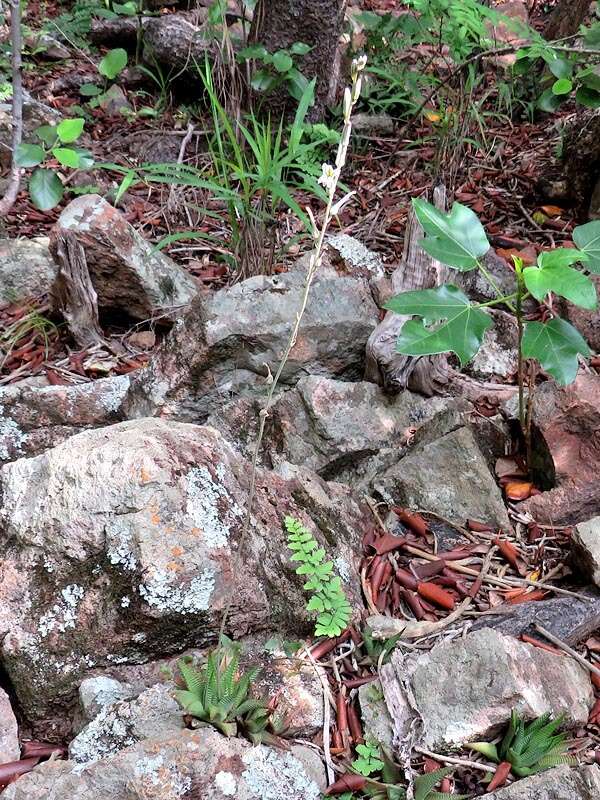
(155, 714)
(585, 544)
(26, 269)
(9, 732)
(449, 476)
(229, 343)
(121, 546)
(189, 764)
(465, 689)
(377, 723)
(173, 40)
(560, 783)
(126, 271)
(97, 693)
(34, 418)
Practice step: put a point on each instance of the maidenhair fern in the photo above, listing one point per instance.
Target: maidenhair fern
(328, 600)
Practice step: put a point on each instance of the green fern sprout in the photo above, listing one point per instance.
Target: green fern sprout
(328, 600)
(217, 695)
(529, 747)
(369, 760)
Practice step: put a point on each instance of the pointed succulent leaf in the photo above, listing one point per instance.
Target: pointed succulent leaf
(424, 784)
(556, 345)
(456, 238)
(487, 749)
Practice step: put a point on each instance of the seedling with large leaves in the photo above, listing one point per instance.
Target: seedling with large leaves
(450, 322)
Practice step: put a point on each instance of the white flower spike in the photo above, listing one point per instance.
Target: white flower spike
(328, 177)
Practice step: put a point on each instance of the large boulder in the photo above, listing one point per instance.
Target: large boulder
(585, 544)
(187, 764)
(560, 783)
(231, 342)
(26, 269)
(464, 690)
(9, 732)
(449, 476)
(126, 271)
(123, 544)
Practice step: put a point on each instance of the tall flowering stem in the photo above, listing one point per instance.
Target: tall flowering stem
(329, 180)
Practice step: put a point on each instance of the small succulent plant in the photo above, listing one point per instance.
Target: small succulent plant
(217, 694)
(529, 747)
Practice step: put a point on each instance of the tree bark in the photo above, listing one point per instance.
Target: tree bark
(277, 24)
(16, 40)
(566, 18)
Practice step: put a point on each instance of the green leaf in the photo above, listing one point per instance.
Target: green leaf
(300, 49)
(587, 239)
(552, 276)
(590, 98)
(128, 9)
(461, 333)
(282, 61)
(86, 159)
(456, 238)
(89, 90)
(262, 81)
(45, 189)
(66, 157)
(258, 51)
(69, 130)
(47, 134)
(113, 63)
(29, 155)
(590, 78)
(562, 86)
(556, 345)
(548, 101)
(561, 68)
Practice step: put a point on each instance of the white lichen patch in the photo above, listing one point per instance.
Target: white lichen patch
(209, 505)
(119, 544)
(226, 783)
(153, 771)
(272, 776)
(12, 438)
(125, 602)
(106, 735)
(342, 568)
(63, 614)
(193, 598)
(114, 392)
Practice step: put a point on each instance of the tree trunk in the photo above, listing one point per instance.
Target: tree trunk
(278, 24)
(566, 18)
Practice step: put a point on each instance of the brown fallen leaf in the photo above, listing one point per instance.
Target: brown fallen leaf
(518, 490)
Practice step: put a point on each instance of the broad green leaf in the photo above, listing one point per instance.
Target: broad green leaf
(282, 61)
(29, 155)
(262, 81)
(590, 78)
(562, 86)
(300, 49)
(69, 130)
(89, 90)
(460, 332)
(590, 98)
(253, 51)
(456, 238)
(564, 281)
(556, 345)
(86, 159)
(561, 68)
(47, 134)
(561, 257)
(587, 239)
(66, 157)
(548, 101)
(45, 189)
(113, 63)
(128, 9)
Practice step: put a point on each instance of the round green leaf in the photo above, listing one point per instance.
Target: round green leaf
(89, 90)
(29, 155)
(262, 81)
(66, 157)
(70, 129)
(549, 101)
(590, 78)
(562, 86)
(300, 49)
(556, 345)
(113, 63)
(282, 61)
(561, 68)
(47, 134)
(45, 189)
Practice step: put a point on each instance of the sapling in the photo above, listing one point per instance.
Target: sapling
(448, 321)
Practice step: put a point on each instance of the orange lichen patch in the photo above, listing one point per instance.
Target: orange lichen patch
(154, 518)
(176, 551)
(144, 475)
(173, 566)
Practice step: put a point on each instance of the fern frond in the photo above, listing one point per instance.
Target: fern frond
(191, 676)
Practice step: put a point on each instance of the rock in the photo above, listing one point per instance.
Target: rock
(114, 101)
(201, 763)
(570, 618)
(9, 731)
(126, 272)
(97, 693)
(329, 425)
(33, 419)
(560, 783)
(26, 269)
(498, 355)
(377, 723)
(585, 544)
(372, 124)
(479, 679)
(227, 341)
(477, 287)
(119, 547)
(566, 439)
(450, 477)
(155, 714)
(175, 41)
